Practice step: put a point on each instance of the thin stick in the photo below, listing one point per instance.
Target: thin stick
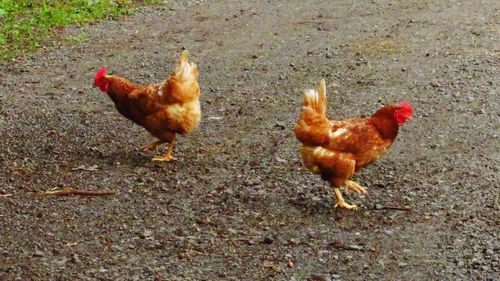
(72, 191)
(6, 195)
(404, 208)
(197, 252)
(242, 238)
(349, 248)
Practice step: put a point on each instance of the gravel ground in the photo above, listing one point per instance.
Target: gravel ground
(238, 204)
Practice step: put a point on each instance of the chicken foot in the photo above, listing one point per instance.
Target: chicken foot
(348, 184)
(151, 146)
(341, 202)
(167, 156)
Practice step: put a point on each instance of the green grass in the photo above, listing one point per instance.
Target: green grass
(26, 24)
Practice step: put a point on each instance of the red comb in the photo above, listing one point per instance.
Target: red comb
(100, 73)
(406, 106)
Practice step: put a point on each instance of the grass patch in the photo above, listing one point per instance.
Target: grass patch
(25, 24)
(377, 46)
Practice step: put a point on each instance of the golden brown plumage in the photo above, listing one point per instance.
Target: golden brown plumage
(165, 109)
(338, 149)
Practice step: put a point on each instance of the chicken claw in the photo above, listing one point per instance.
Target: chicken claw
(168, 154)
(348, 184)
(344, 205)
(341, 202)
(164, 158)
(151, 146)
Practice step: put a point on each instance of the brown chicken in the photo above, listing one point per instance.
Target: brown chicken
(165, 109)
(338, 149)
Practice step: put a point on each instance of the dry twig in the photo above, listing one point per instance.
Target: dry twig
(86, 168)
(247, 238)
(72, 191)
(6, 195)
(404, 208)
(339, 247)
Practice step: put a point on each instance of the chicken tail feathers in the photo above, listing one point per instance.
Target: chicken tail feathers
(316, 99)
(182, 86)
(185, 70)
(182, 93)
(313, 127)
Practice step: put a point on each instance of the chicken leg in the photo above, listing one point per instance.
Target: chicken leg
(167, 156)
(341, 202)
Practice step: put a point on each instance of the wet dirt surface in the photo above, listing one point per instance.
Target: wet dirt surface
(238, 204)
